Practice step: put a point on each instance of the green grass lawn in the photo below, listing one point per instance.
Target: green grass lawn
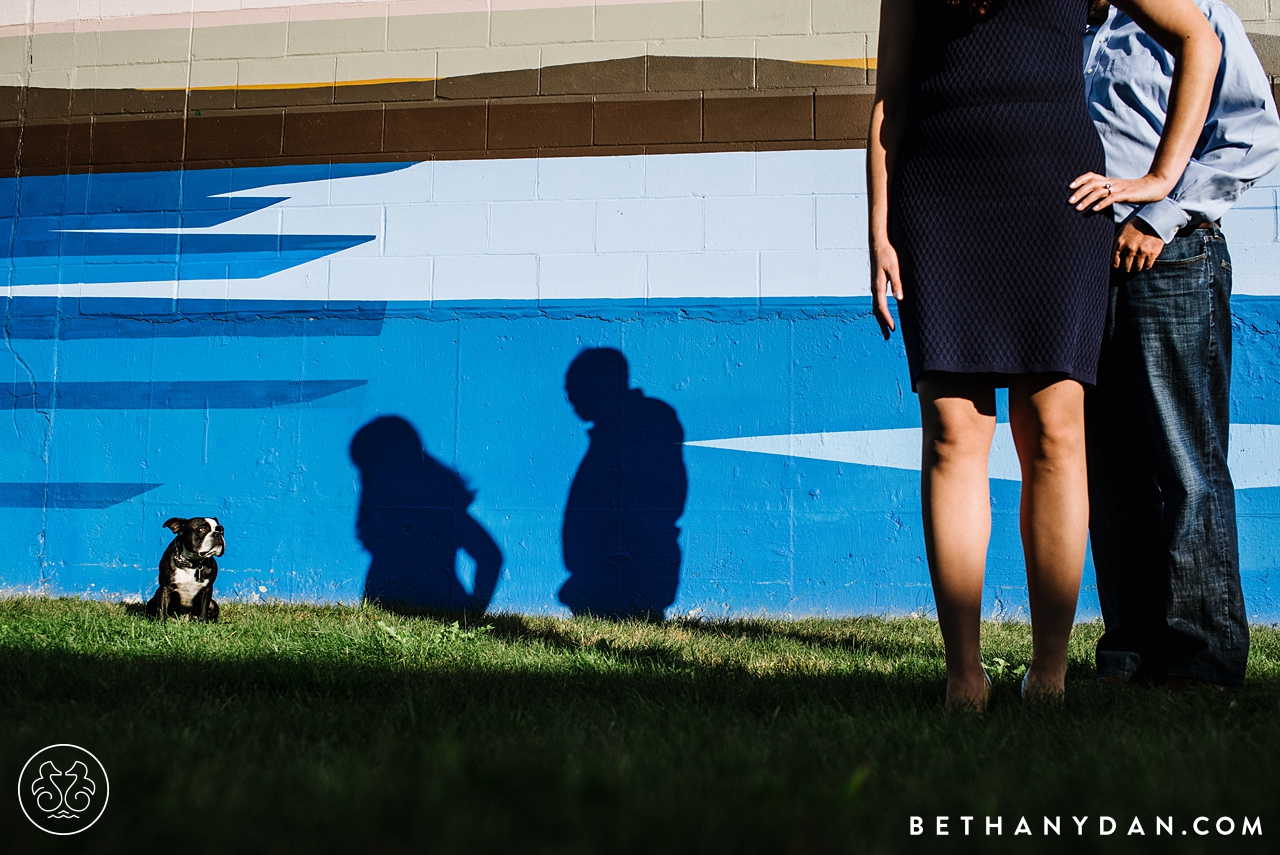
(310, 729)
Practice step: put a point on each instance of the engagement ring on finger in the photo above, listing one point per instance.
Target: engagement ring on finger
(1107, 187)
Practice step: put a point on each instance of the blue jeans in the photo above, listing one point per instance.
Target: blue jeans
(1162, 508)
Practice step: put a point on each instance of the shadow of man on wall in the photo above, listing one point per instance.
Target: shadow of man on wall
(621, 543)
(413, 520)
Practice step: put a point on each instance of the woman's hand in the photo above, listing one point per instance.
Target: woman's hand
(884, 277)
(1101, 192)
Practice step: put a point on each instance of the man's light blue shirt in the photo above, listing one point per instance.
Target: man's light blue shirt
(1127, 81)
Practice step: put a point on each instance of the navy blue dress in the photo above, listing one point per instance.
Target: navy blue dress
(1000, 275)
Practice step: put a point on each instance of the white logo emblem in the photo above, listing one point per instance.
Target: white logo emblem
(63, 789)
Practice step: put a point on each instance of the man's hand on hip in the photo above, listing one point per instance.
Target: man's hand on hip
(1137, 247)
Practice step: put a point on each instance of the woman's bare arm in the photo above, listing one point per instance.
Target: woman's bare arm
(1181, 29)
(893, 82)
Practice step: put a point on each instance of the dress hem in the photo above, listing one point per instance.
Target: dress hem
(1001, 375)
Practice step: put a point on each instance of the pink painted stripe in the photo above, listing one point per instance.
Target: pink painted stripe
(223, 13)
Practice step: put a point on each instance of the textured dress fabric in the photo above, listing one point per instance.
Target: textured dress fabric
(1000, 275)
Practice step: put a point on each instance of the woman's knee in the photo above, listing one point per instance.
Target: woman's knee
(958, 415)
(1050, 427)
(958, 438)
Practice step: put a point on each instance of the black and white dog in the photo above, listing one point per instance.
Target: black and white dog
(187, 570)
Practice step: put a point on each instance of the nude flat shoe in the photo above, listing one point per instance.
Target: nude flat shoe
(978, 709)
(1038, 697)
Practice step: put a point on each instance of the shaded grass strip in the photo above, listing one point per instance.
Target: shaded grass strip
(296, 728)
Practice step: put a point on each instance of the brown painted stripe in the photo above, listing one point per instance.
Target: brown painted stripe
(542, 127)
(638, 75)
(52, 131)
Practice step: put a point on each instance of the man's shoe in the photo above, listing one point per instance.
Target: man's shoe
(1111, 680)
(1187, 685)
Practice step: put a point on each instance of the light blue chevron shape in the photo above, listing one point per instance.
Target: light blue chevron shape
(1254, 450)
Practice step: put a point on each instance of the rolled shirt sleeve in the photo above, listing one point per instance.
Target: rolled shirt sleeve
(1164, 217)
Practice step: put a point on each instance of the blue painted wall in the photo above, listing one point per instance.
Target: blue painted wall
(211, 343)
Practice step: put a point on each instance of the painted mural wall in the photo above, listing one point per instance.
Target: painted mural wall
(535, 305)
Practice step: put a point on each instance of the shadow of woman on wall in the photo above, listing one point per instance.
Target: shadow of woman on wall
(413, 520)
(620, 539)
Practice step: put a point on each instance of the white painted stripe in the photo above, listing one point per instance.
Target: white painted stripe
(477, 231)
(710, 226)
(53, 17)
(1254, 456)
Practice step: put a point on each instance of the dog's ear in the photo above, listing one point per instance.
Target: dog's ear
(175, 525)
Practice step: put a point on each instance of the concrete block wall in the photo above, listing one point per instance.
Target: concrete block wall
(326, 41)
(418, 79)
(540, 305)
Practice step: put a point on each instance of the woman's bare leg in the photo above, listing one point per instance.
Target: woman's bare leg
(959, 418)
(1047, 419)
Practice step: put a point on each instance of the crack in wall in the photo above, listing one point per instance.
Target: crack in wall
(46, 442)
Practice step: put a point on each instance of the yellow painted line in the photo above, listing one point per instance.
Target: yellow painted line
(262, 86)
(842, 63)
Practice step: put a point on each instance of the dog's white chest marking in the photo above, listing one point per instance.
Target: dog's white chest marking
(187, 585)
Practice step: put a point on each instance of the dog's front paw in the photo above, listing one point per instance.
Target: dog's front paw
(211, 613)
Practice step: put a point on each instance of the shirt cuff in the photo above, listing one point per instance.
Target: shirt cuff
(1164, 217)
